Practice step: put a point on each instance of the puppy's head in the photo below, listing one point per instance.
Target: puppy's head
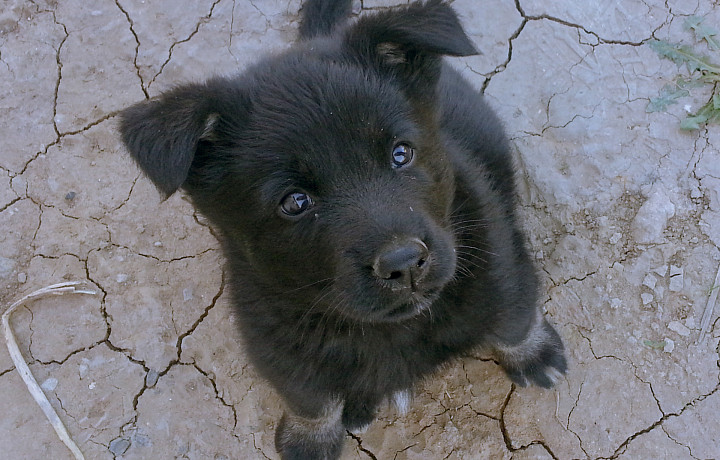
(323, 168)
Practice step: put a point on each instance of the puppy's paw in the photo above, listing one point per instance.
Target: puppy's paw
(298, 438)
(539, 359)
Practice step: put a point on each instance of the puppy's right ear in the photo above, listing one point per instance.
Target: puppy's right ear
(407, 42)
(163, 134)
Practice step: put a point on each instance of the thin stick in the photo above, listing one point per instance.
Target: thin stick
(707, 314)
(23, 369)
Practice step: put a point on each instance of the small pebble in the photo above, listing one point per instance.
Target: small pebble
(121, 277)
(92, 385)
(22, 277)
(151, 378)
(669, 346)
(650, 281)
(49, 384)
(676, 282)
(679, 327)
(615, 303)
(70, 196)
(615, 238)
(187, 294)
(646, 298)
(158, 244)
(119, 446)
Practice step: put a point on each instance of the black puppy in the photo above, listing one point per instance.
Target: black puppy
(364, 197)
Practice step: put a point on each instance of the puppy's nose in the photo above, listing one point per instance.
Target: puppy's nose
(403, 263)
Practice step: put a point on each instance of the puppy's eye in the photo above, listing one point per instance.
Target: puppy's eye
(295, 203)
(402, 155)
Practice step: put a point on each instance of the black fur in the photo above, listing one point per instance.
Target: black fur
(392, 269)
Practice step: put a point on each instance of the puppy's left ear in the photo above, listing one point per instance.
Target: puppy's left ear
(172, 137)
(408, 42)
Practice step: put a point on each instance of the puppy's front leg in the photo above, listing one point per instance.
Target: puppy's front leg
(306, 437)
(538, 357)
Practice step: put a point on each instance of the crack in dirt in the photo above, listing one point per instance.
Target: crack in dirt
(62, 407)
(360, 446)
(566, 23)
(541, 444)
(211, 378)
(232, 30)
(623, 446)
(158, 259)
(55, 91)
(92, 124)
(567, 426)
(125, 201)
(178, 344)
(59, 75)
(679, 443)
(503, 428)
(258, 448)
(576, 116)
(7, 66)
(504, 65)
(137, 47)
(203, 20)
(7, 371)
(11, 203)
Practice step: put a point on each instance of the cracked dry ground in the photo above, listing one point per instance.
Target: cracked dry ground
(622, 208)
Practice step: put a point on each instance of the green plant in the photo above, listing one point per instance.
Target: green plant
(655, 345)
(702, 71)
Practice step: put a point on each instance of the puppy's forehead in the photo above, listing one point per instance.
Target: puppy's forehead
(317, 112)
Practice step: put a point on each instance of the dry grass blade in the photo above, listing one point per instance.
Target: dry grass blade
(23, 369)
(707, 314)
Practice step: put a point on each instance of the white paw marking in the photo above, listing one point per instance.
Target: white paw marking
(401, 400)
(362, 429)
(553, 374)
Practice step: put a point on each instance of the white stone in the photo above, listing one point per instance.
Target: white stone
(669, 346)
(650, 281)
(49, 384)
(676, 283)
(679, 327)
(652, 217)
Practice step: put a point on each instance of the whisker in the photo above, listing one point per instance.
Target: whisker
(474, 256)
(458, 207)
(478, 249)
(471, 262)
(464, 270)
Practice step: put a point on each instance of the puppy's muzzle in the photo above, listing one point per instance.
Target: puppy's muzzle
(402, 264)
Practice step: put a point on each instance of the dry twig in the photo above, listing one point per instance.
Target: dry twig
(707, 314)
(23, 369)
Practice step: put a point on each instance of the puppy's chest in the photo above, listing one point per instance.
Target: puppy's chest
(385, 356)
